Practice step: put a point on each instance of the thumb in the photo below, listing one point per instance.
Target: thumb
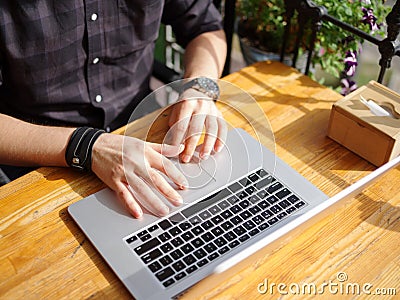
(168, 150)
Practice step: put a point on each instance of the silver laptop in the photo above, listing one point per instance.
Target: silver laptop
(238, 209)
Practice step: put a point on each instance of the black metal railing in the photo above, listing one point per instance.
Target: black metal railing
(308, 11)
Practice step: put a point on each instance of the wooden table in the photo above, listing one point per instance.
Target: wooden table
(43, 254)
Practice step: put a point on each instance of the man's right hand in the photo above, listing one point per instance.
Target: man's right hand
(131, 167)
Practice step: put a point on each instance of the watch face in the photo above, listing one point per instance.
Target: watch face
(208, 86)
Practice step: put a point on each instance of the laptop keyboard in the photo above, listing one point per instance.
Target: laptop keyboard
(175, 247)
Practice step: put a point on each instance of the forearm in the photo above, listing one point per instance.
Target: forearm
(25, 144)
(205, 55)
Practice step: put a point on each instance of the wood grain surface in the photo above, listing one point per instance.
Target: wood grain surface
(44, 255)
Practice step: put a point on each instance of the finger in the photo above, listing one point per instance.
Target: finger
(165, 188)
(194, 133)
(222, 134)
(180, 127)
(167, 150)
(210, 138)
(145, 195)
(172, 116)
(125, 195)
(165, 166)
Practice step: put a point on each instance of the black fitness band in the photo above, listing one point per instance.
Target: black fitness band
(78, 153)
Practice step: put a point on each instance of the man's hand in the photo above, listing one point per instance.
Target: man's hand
(188, 118)
(131, 167)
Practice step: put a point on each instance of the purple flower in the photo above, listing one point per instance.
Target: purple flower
(350, 63)
(348, 86)
(370, 19)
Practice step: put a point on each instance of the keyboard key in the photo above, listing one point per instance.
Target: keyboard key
(168, 282)
(230, 236)
(197, 230)
(250, 190)
(276, 209)
(166, 260)
(219, 242)
(300, 204)
(273, 221)
(202, 262)
(223, 250)
(210, 247)
(185, 225)
(177, 241)
(179, 265)
(155, 266)
(176, 218)
(213, 256)
(187, 248)
(217, 219)
(272, 199)
(263, 183)
(254, 210)
(258, 220)
(245, 215)
(214, 209)
(153, 228)
(236, 209)
(249, 225)
(262, 194)
(195, 220)
(254, 231)
(261, 173)
(224, 204)
(197, 243)
(234, 244)
(176, 254)
(244, 238)
(239, 230)
(290, 210)
(191, 269)
(245, 181)
(226, 225)
(213, 199)
(187, 236)
(226, 214)
(200, 253)
(241, 195)
(254, 199)
(205, 215)
(253, 177)
(174, 231)
(244, 204)
(267, 214)
(217, 231)
(263, 204)
(236, 220)
(180, 275)
(166, 247)
(284, 204)
(149, 257)
(207, 225)
(263, 226)
(164, 274)
(274, 187)
(164, 236)
(234, 187)
(208, 236)
(145, 237)
(165, 224)
(283, 193)
(233, 199)
(140, 234)
(131, 239)
(189, 259)
(293, 199)
(147, 246)
(281, 215)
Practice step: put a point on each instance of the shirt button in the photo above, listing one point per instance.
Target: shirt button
(95, 60)
(99, 98)
(93, 17)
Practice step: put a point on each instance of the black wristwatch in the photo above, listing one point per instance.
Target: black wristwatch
(205, 85)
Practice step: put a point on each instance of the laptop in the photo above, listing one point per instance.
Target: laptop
(237, 209)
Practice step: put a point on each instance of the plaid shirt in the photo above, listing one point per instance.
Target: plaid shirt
(79, 62)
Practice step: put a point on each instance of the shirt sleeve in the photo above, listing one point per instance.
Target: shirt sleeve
(191, 18)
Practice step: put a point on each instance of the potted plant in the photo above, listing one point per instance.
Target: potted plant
(261, 26)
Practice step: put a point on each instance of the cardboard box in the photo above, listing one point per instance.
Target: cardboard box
(353, 125)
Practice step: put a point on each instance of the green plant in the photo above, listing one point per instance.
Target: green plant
(336, 50)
